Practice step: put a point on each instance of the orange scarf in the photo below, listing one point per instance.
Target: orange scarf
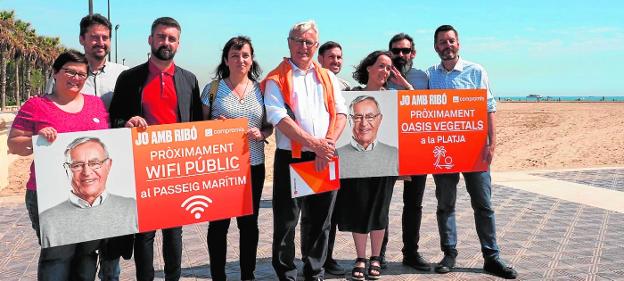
(282, 76)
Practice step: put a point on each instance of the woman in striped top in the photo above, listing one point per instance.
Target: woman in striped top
(235, 93)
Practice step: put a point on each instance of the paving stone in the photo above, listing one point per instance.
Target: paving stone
(544, 238)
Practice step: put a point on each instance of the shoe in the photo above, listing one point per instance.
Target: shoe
(333, 268)
(496, 266)
(357, 273)
(374, 270)
(418, 262)
(446, 265)
(383, 262)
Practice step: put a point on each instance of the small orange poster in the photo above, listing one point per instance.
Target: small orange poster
(191, 172)
(442, 131)
(305, 180)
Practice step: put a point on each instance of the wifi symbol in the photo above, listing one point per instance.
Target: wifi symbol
(196, 205)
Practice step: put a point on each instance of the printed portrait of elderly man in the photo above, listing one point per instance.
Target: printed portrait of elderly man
(90, 212)
(365, 155)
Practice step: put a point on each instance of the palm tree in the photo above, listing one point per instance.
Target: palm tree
(23, 50)
(51, 48)
(20, 45)
(7, 43)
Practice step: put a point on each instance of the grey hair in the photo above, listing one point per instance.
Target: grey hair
(303, 27)
(361, 99)
(82, 140)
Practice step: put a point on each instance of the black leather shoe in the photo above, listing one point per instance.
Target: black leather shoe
(383, 263)
(418, 262)
(498, 267)
(446, 265)
(333, 268)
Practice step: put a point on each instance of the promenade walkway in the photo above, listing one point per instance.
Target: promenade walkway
(552, 225)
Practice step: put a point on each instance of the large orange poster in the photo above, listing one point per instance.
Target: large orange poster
(442, 131)
(191, 172)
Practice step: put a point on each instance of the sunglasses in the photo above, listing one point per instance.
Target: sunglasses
(398, 51)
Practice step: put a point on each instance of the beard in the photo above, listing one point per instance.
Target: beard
(97, 55)
(163, 53)
(448, 54)
(402, 65)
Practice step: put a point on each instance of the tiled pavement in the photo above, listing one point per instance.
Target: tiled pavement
(604, 178)
(543, 237)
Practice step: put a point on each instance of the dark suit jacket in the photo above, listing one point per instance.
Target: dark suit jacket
(126, 104)
(126, 101)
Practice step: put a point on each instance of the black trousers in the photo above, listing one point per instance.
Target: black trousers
(68, 262)
(331, 239)
(316, 211)
(249, 233)
(172, 254)
(413, 192)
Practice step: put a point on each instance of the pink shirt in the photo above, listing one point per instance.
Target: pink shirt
(40, 112)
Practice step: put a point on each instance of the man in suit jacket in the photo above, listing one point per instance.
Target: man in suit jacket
(153, 93)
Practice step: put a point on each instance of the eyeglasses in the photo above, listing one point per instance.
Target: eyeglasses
(398, 51)
(303, 42)
(79, 166)
(358, 118)
(72, 74)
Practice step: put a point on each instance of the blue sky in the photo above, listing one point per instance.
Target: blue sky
(527, 47)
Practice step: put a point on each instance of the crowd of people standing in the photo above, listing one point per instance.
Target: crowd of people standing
(301, 101)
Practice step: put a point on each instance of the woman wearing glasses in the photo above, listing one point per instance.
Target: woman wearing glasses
(64, 110)
(236, 94)
(363, 203)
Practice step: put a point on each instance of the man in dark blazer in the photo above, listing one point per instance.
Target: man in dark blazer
(154, 93)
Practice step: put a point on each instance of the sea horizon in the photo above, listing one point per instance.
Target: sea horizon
(533, 98)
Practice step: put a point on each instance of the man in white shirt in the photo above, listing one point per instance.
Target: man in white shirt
(304, 102)
(330, 57)
(95, 38)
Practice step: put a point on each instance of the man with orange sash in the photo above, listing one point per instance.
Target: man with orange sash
(304, 102)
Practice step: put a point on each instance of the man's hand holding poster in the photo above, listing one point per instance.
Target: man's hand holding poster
(442, 131)
(140, 180)
(305, 180)
(414, 132)
(191, 173)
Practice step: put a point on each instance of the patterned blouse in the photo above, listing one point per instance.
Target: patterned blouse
(228, 105)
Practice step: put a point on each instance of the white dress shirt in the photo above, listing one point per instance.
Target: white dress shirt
(308, 104)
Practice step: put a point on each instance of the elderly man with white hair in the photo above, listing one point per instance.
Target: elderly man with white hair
(304, 102)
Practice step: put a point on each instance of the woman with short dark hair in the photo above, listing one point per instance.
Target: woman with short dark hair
(64, 110)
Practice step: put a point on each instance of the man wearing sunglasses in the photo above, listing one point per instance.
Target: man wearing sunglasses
(402, 46)
(90, 206)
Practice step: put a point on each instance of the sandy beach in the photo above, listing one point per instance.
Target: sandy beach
(529, 136)
(559, 135)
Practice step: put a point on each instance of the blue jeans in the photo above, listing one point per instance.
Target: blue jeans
(479, 187)
(109, 269)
